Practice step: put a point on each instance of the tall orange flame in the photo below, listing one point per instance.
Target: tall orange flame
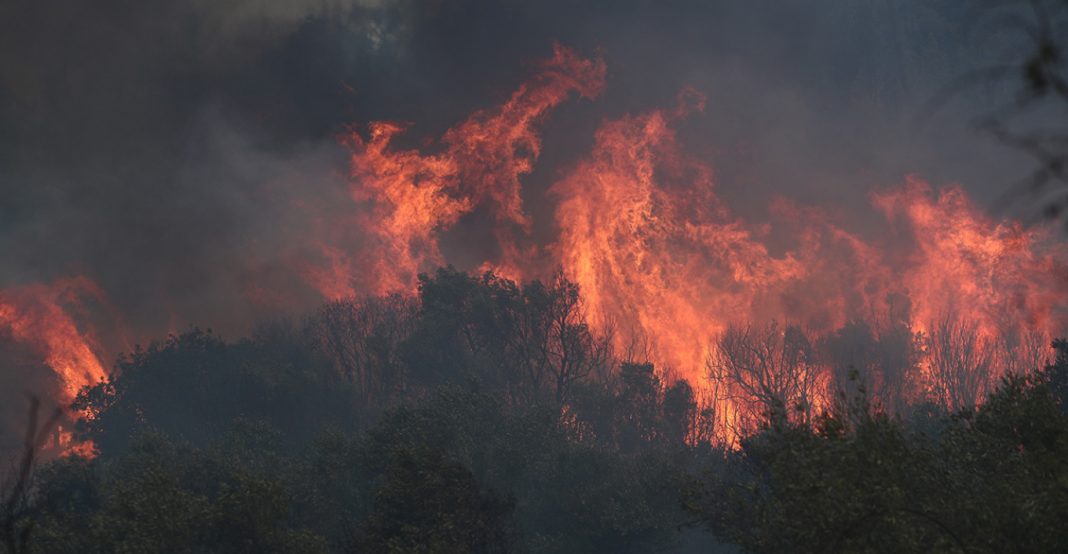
(411, 197)
(39, 316)
(997, 274)
(651, 246)
(661, 259)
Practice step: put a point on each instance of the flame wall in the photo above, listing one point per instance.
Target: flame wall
(191, 171)
(659, 255)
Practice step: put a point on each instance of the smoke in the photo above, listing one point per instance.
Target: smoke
(184, 155)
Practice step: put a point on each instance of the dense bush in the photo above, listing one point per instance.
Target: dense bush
(488, 417)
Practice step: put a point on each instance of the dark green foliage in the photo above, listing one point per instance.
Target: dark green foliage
(193, 386)
(1057, 373)
(19, 509)
(569, 496)
(457, 471)
(482, 419)
(429, 504)
(361, 341)
(161, 497)
(529, 344)
(680, 413)
(992, 481)
(636, 413)
(487, 417)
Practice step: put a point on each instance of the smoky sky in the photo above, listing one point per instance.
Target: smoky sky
(172, 151)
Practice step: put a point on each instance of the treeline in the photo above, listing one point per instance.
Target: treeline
(484, 416)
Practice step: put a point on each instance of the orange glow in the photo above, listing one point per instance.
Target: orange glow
(43, 318)
(659, 256)
(663, 262)
(997, 274)
(654, 250)
(411, 197)
(37, 315)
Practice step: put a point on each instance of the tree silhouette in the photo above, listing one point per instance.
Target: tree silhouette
(18, 512)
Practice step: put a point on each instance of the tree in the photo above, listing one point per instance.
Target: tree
(571, 494)
(1021, 351)
(18, 510)
(640, 400)
(988, 481)
(769, 373)
(1057, 373)
(962, 362)
(532, 342)
(196, 386)
(852, 354)
(898, 352)
(553, 341)
(433, 505)
(1036, 77)
(682, 418)
(362, 338)
(164, 497)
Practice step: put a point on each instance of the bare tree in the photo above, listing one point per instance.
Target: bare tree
(961, 362)
(552, 342)
(1023, 352)
(17, 512)
(1035, 72)
(362, 338)
(769, 375)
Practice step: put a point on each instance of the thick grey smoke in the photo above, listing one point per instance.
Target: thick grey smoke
(178, 153)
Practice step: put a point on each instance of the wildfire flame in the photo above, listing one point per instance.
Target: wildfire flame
(997, 274)
(650, 245)
(657, 253)
(412, 197)
(40, 316)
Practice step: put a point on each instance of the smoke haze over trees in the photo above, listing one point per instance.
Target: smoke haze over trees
(506, 276)
(272, 443)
